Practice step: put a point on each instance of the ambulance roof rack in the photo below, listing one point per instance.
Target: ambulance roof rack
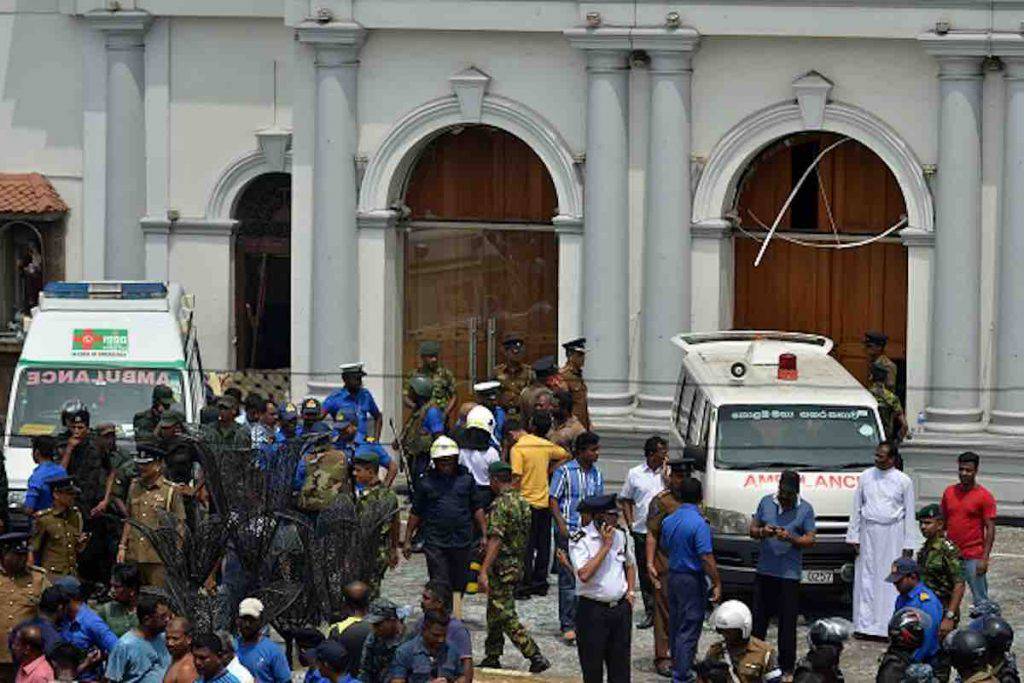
(106, 290)
(689, 341)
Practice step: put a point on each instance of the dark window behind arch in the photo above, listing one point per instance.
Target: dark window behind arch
(263, 273)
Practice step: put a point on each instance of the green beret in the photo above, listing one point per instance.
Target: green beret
(932, 511)
(430, 348)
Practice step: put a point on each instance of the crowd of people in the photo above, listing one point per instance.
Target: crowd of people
(501, 491)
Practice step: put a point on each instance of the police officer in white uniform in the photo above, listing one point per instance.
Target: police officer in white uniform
(605, 565)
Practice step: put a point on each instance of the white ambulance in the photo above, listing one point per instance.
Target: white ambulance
(758, 403)
(106, 344)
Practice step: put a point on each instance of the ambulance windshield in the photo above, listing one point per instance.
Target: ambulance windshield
(753, 437)
(110, 395)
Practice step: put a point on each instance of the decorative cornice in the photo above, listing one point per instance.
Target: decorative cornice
(204, 226)
(712, 229)
(682, 39)
(567, 225)
(155, 225)
(915, 237)
(340, 34)
(121, 21)
(1008, 46)
(956, 44)
(610, 38)
(377, 220)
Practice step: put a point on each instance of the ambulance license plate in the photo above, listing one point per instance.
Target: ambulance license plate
(817, 576)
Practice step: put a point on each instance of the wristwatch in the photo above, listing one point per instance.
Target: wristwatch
(950, 614)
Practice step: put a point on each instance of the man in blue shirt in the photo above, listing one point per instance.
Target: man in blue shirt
(263, 658)
(427, 656)
(570, 484)
(906, 575)
(82, 627)
(38, 496)
(355, 398)
(784, 523)
(686, 540)
(141, 655)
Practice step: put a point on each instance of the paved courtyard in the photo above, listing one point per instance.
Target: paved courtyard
(541, 617)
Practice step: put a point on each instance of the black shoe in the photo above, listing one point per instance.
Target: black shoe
(646, 623)
(539, 591)
(490, 662)
(523, 594)
(539, 663)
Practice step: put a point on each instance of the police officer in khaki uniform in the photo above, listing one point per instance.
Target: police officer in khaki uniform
(751, 660)
(151, 499)
(324, 473)
(57, 537)
(514, 374)
(572, 374)
(20, 588)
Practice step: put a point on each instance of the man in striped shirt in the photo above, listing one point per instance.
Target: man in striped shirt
(571, 483)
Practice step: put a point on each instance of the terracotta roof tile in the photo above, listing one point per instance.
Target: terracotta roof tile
(28, 194)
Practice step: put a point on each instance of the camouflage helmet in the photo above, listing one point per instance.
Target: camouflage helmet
(421, 385)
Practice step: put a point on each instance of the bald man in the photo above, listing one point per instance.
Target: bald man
(28, 649)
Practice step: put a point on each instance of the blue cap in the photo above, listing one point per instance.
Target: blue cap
(904, 566)
(287, 412)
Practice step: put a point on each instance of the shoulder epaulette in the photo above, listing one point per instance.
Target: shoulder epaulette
(43, 513)
(577, 535)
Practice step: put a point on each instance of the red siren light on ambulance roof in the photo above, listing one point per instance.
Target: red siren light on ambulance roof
(787, 367)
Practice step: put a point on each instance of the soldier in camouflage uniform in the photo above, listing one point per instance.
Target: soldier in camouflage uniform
(889, 407)
(508, 525)
(942, 571)
(424, 424)
(371, 492)
(322, 475)
(225, 433)
(145, 422)
(380, 646)
(443, 395)
(514, 374)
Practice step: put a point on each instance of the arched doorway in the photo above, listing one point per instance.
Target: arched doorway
(263, 273)
(481, 255)
(850, 196)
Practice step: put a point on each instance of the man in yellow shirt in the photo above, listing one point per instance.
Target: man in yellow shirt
(533, 459)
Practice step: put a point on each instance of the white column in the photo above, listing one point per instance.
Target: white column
(124, 32)
(333, 310)
(1008, 414)
(711, 286)
(606, 216)
(666, 256)
(920, 246)
(954, 402)
(569, 230)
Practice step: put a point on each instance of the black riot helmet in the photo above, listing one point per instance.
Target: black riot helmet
(907, 628)
(967, 650)
(829, 632)
(998, 635)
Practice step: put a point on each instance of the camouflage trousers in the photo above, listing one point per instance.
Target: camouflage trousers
(502, 620)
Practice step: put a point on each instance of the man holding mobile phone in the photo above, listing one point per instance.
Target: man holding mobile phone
(784, 523)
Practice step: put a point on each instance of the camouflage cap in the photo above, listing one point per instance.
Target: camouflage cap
(172, 418)
(430, 348)
(163, 394)
(932, 511)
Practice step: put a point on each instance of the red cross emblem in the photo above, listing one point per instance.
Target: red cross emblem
(88, 339)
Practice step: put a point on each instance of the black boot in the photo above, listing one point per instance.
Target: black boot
(490, 662)
(539, 663)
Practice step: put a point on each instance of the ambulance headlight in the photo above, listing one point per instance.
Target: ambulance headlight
(728, 522)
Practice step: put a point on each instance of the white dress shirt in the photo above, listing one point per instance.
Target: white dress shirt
(641, 486)
(608, 583)
(238, 670)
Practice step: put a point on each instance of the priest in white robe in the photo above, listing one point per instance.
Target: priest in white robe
(882, 529)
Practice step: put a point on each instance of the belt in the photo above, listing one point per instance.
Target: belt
(610, 604)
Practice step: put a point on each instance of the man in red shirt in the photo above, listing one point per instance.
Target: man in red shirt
(970, 512)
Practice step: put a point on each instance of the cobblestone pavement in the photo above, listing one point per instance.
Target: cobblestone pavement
(541, 616)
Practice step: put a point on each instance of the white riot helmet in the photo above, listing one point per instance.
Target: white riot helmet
(444, 447)
(481, 418)
(733, 614)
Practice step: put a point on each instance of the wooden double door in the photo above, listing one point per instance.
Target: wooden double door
(467, 287)
(842, 293)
